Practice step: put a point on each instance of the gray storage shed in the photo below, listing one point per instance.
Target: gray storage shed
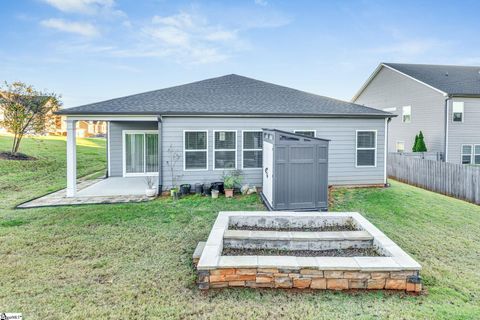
(295, 171)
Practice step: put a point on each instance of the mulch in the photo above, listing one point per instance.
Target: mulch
(350, 252)
(17, 156)
(332, 227)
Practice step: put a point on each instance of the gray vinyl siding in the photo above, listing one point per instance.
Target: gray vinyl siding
(391, 89)
(466, 132)
(116, 145)
(341, 132)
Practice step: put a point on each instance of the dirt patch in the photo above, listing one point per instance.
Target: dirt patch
(17, 156)
(332, 227)
(351, 252)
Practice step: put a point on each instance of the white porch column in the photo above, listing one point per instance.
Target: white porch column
(71, 158)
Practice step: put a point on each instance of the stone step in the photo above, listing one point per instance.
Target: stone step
(296, 235)
(198, 252)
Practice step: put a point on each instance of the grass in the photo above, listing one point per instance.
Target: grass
(134, 260)
(23, 180)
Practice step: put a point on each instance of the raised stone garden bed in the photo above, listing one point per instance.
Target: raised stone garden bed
(363, 259)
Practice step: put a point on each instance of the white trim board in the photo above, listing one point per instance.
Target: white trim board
(242, 149)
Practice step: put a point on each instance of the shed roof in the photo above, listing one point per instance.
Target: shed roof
(227, 95)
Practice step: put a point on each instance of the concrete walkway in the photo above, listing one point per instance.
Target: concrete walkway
(95, 191)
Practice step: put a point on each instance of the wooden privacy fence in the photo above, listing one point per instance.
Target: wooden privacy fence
(459, 181)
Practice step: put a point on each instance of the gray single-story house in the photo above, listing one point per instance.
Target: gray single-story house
(195, 132)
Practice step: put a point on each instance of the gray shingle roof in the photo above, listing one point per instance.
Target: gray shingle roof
(453, 80)
(228, 95)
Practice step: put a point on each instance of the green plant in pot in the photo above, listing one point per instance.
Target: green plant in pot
(230, 180)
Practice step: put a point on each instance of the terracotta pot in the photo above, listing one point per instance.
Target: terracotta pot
(229, 193)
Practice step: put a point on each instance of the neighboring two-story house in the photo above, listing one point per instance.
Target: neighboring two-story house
(443, 101)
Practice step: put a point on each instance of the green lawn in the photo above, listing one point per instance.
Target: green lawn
(134, 260)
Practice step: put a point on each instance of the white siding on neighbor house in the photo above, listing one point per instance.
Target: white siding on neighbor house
(390, 89)
(466, 132)
(341, 132)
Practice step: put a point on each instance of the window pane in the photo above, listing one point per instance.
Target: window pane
(365, 157)
(400, 146)
(365, 139)
(195, 140)
(466, 149)
(306, 133)
(466, 159)
(477, 149)
(406, 113)
(252, 159)
(252, 140)
(152, 152)
(457, 117)
(477, 159)
(225, 140)
(195, 160)
(134, 154)
(224, 159)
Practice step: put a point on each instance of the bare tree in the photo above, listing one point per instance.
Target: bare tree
(25, 110)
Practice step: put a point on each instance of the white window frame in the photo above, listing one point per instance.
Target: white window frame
(357, 148)
(214, 150)
(396, 145)
(260, 168)
(124, 150)
(403, 114)
(196, 150)
(463, 110)
(472, 152)
(309, 130)
(475, 154)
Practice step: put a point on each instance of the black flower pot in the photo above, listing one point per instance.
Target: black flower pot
(185, 189)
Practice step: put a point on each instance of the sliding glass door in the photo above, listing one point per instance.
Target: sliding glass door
(141, 153)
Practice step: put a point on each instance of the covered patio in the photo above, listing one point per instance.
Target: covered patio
(95, 191)
(138, 148)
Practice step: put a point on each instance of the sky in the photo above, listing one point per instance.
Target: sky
(93, 50)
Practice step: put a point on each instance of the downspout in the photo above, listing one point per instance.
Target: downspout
(387, 121)
(160, 155)
(445, 158)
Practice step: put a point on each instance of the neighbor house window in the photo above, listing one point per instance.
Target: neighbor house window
(309, 133)
(458, 111)
(476, 154)
(195, 154)
(407, 114)
(400, 146)
(366, 149)
(467, 153)
(140, 152)
(225, 150)
(252, 149)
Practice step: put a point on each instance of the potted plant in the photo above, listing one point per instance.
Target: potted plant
(151, 190)
(172, 163)
(230, 180)
(174, 192)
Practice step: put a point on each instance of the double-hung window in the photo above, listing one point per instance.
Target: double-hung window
(366, 148)
(476, 154)
(225, 149)
(407, 114)
(400, 146)
(467, 150)
(140, 152)
(457, 112)
(195, 150)
(252, 154)
(308, 133)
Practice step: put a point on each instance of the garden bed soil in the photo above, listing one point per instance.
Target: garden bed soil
(350, 252)
(333, 227)
(17, 156)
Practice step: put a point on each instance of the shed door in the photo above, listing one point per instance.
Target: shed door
(302, 177)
